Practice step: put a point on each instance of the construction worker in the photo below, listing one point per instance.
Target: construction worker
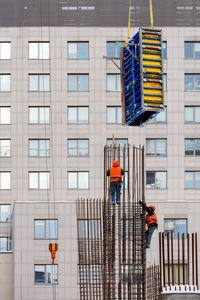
(115, 174)
(151, 221)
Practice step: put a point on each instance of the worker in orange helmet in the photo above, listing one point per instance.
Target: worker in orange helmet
(151, 221)
(115, 174)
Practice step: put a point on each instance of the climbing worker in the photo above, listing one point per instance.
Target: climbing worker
(151, 220)
(115, 174)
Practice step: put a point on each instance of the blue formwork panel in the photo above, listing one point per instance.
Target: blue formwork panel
(141, 75)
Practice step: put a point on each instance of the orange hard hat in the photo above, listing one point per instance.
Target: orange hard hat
(152, 206)
(115, 163)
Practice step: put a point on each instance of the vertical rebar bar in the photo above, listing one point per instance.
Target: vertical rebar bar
(168, 262)
(178, 260)
(188, 258)
(172, 255)
(183, 256)
(193, 259)
(197, 284)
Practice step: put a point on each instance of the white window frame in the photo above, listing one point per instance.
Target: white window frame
(39, 50)
(78, 179)
(77, 55)
(38, 184)
(39, 108)
(7, 181)
(8, 148)
(193, 173)
(193, 49)
(77, 148)
(77, 114)
(54, 280)
(9, 211)
(46, 237)
(6, 53)
(175, 231)
(193, 112)
(3, 76)
(154, 185)
(78, 76)
(47, 150)
(155, 140)
(116, 114)
(8, 244)
(117, 82)
(38, 77)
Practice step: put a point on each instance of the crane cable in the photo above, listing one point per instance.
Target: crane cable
(151, 12)
(48, 165)
(129, 19)
(129, 16)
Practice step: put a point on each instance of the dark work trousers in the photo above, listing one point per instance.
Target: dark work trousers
(115, 189)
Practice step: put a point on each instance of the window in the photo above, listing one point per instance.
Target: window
(46, 274)
(4, 244)
(78, 82)
(78, 180)
(4, 212)
(165, 82)
(4, 115)
(119, 142)
(39, 180)
(5, 48)
(114, 49)
(90, 274)
(113, 83)
(192, 50)
(39, 82)
(4, 82)
(114, 114)
(156, 147)
(175, 226)
(39, 114)
(192, 179)
(132, 272)
(4, 148)
(78, 114)
(176, 272)
(39, 147)
(156, 179)
(89, 228)
(192, 82)
(38, 50)
(192, 114)
(160, 118)
(192, 147)
(5, 180)
(46, 229)
(164, 50)
(78, 147)
(78, 50)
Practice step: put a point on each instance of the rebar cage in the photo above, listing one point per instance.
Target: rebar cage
(111, 238)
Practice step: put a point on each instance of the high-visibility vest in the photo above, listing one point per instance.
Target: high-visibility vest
(151, 219)
(115, 173)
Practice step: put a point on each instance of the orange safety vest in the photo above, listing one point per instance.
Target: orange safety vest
(151, 219)
(115, 173)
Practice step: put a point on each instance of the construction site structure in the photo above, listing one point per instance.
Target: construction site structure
(111, 238)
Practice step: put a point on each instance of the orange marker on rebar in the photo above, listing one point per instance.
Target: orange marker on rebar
(53, 247)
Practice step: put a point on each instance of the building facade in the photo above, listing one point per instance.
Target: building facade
(59, 105)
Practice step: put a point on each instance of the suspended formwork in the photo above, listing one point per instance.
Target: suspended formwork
(111, 238)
